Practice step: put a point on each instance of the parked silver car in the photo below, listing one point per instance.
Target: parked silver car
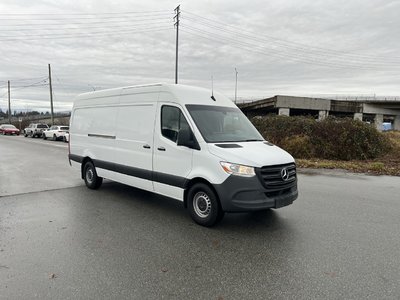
(35, 130)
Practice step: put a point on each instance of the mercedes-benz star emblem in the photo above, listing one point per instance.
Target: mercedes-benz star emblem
(285, 174)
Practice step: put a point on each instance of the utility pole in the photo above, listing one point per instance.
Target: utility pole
(236, 86)
(9, 104)
(177, 11)
(51, 97)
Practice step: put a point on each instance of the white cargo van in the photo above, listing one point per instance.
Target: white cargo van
(181, 142)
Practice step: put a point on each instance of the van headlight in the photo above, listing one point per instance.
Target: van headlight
(238, 170)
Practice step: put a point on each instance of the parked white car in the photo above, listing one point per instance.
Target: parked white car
(66, 137)
(55, 132)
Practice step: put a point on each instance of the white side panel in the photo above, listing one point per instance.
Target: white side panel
(207, 166)
(93, 132)
(169, 191)
(106, 174)
(133, 181)
(134, 141)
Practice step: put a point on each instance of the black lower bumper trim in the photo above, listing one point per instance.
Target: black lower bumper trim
(240, 194)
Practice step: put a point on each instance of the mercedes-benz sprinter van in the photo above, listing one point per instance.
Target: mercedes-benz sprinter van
(182, 142)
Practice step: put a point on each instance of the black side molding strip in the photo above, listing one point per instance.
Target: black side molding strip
(76, 158)
(172, 180)
(131, 171)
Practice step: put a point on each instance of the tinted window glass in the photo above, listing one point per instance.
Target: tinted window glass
(42, 126)
(172, 120)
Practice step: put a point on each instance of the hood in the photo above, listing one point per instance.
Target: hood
(254, 154)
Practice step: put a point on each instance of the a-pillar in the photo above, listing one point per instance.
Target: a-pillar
(378, 122)
(322, 114)
(396, 124)
(284, 111)
(358, 116)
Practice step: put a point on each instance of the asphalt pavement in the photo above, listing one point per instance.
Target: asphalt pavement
(60, 240)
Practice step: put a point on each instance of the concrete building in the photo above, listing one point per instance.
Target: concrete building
(368, 110)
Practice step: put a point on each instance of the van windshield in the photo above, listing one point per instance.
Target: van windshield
(218, 124)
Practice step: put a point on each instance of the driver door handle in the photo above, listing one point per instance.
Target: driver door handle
(146, 146)
(161, 149)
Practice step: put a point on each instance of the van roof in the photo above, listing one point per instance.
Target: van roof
(183, 94)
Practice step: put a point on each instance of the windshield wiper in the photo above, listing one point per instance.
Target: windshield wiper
(252, 140)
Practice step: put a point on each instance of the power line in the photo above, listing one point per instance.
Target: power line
(242, 45)
(105, 33)
(27, 79)
(298, 56)
(36, 84)
(81, 18)
(85, 14)
(86, 27)
(306, 52)
(86, 23)
(284, 43)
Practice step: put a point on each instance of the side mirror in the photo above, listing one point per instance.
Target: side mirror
(187, 139)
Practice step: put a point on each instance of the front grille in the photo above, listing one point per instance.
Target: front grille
(271, 177)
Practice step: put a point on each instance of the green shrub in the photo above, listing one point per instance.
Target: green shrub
(277, 128)
(347, 139)
(299, 146)
(332, 138)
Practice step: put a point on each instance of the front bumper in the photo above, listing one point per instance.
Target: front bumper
(241, 194)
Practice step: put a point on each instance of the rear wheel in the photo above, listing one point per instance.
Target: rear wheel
(92, 181)
(203, 205)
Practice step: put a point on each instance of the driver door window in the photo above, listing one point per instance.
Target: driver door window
(172, 120)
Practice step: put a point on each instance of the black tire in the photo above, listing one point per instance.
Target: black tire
(92, 181)
(44, 136)
(64, 139)
(203, 205)
(25, 134)
(54, 137)
(32, 135)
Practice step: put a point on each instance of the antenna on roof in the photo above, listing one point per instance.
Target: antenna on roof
(212, 88)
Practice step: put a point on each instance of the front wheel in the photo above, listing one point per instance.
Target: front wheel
(44, 136)
(203, 205)
(92, 181)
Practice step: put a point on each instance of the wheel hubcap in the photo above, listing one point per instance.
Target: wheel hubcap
(202, 204)
(89, 175)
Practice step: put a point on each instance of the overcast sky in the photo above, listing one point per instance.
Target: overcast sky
(345, 47)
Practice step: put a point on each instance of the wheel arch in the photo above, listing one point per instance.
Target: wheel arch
(84, 161)
(194, 181)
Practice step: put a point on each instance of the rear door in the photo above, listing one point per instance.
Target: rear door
(172, 163)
